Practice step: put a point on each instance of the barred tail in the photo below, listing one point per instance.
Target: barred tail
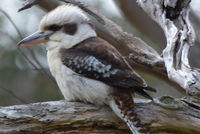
(124, 107)
(134, 123)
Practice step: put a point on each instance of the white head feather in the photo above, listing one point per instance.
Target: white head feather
(65, 14)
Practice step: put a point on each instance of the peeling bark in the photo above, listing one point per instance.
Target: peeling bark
(74, 117)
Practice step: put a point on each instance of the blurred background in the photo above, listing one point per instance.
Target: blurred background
(24, 74)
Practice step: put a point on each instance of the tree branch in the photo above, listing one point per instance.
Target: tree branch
(173, 18)
(148, 28)
(76, 118)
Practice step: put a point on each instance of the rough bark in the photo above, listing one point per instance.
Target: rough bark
(164, 115)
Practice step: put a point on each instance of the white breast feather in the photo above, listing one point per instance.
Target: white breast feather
(75, 87)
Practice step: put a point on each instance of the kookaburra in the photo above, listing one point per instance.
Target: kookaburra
(86, 67)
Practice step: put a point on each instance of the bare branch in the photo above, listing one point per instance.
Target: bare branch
(76, 118)
(173, 18)
(147, 27)
(152, 32)
(12, 22)
(41, 70)
(20, 35)
(13, 94)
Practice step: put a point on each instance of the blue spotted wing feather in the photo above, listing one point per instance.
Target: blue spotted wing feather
(94, 58)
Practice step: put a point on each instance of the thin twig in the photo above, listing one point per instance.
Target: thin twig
(12, 22)
(42, 70)
(20, 35)
(13, 94)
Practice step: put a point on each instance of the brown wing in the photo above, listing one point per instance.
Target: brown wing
(96, 59)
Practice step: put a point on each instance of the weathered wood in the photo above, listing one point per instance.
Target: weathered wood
(165, 115)
(173, 18)
(152, 32)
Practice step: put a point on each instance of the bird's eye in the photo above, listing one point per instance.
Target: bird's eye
(54, 27)
(70, 28)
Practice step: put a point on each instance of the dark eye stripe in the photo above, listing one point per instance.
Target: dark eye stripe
(70, 28)
(54, 27)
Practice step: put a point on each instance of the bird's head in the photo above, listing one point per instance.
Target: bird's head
(65, 26)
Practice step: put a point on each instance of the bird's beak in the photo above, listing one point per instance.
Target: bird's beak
(34, 39)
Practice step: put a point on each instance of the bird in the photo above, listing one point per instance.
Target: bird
(86, 67)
